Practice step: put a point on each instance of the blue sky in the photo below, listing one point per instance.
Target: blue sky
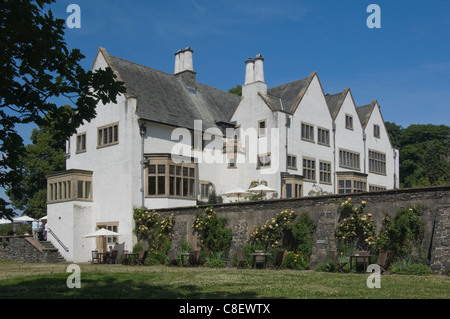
(405, 64)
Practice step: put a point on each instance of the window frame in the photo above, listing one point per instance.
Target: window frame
(324, 172)
(265, 128)
(376, 131)
(348, 120)
(110, 138)
(326, 133)
(309, 169)
(346, 159)
(258, 162)
(180, 179)
(289, 161)
(377, 162)
(307, 132)
(81, 140)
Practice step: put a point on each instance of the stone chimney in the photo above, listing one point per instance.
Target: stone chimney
(259, 70)
(184, 66)
(249, 71)
(254, 77)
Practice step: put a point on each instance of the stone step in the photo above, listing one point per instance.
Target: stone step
(48, 245)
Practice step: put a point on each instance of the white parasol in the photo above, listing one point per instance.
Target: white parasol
(102, 232)
(237, 192)
(262, 189)
(4, 221)
(24, 219)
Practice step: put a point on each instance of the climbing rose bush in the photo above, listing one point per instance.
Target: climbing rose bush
(357, 228)
(153, 228)
(271, 233)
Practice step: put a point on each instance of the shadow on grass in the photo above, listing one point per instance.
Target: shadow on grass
(109, 287)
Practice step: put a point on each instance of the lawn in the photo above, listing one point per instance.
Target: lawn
(26, 280)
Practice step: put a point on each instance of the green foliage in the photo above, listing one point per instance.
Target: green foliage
(357, 229)
(424, 154)
(215, 260)
(271, 233)
(35, 66)
(45, 155)
(406, 266)
(303, 234)
(296, 260)
(236, 90)
(403, 232)
(153, 228)
(213, 234)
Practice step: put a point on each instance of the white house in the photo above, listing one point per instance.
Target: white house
(169, 138)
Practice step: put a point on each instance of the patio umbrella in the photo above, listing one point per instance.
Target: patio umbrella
(262, 190)
(235, 192)
(101, 232)
(23, 219)
(4, 221)
(43, 218)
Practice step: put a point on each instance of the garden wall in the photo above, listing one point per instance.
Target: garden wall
(25, 249)
(324, 210)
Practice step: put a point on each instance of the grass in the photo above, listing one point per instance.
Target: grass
(35, 281)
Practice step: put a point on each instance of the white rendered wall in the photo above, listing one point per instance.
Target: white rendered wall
(382, 145)
(313, 110)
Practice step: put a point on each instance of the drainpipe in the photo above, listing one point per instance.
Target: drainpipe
(143, 132)
(334, 157)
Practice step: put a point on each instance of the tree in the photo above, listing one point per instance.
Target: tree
(236, 90)
(43, 156)
(36, 66)
(424, 153)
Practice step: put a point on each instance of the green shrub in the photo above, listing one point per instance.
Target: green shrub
(412, 269)
(303, 234)
(326, 266)
(214, 236)
(356, 228)
(295, 260)
(153, 228)
(403, 232)
(215, 261)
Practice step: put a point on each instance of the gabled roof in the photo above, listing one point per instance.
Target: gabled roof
(165, 98)
(364, 112)
(335, 101)
(287, 97)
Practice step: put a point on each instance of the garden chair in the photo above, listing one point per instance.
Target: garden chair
(141, 258)
(95, 257)
(242, 261)
(172, 258)
(279, 259)
(193, 258)
(113, 257)
(383, 261)
(338, 264)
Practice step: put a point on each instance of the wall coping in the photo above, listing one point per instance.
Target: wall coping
(308, 198)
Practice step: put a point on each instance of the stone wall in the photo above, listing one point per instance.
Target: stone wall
(324, 210)
(25, 249)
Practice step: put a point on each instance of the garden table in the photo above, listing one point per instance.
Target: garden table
(256, 255)
(127, 257)
(360, 259)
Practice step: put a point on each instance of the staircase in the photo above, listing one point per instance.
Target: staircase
(55, 255)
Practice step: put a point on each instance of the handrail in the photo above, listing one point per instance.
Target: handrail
(58, 240)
